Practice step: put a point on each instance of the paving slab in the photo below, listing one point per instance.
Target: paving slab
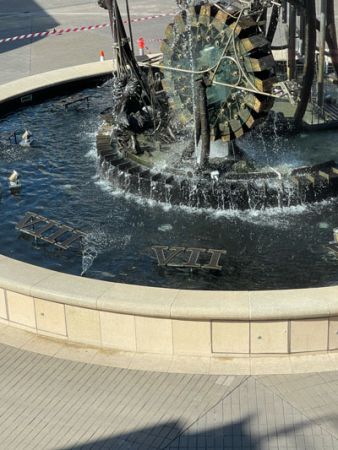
(49, 402)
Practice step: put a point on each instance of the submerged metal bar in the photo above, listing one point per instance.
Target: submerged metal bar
(28, 225)
(193, 256)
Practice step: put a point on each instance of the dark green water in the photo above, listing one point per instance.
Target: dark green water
(269, 249)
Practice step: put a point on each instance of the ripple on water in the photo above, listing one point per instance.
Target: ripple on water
(266, 249)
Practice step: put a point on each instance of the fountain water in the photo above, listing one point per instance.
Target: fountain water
(266, 248)
(264, 206)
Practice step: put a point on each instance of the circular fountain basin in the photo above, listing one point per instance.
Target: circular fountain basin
(158, 319)
(62, 179)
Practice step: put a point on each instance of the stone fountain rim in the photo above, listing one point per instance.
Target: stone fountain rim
(38, 282)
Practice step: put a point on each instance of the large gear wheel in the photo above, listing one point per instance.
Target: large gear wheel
(226, 46)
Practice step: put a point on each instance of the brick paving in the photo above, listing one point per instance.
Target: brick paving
(52, 403)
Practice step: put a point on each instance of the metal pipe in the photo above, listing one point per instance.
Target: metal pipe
(321, 57)
(205, 128)
(273, 23)
(309, 62)
(331, 34)
(111, 8)
(292, 44)
(284, 11)
(263, 19)
(121, 36)
(302, 32)
(129, 25)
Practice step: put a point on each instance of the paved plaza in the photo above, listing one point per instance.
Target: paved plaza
(72, 398)
(54, 396)
(29, 56)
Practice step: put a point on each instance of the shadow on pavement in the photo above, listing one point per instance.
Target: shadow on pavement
(17, 18)
(170, 436)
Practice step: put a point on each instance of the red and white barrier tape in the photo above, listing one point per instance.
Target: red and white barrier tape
(157, 16)
(74, 30)
(153, 40)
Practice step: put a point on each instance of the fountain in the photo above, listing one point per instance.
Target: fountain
(201, 184)
(217, 80)
(201, 155)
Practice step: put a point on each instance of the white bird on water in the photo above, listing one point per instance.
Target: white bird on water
(14, 182)
(26, 139)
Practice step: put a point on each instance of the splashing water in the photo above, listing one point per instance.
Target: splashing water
(98, 242)
(266, 249)
(89, 255)
(279, 218)
(166, 227)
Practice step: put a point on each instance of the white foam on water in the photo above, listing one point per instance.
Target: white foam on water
(323, 225)
(271, 217)
(105, 186)
(92, 153)
(165, 227)
(90, 135)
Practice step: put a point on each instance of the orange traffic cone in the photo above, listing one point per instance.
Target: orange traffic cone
(101, 55)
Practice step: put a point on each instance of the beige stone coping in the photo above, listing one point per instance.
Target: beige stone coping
(166, 303)
(34, 83)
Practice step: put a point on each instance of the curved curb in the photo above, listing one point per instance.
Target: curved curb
(260, 365)
(158, 320)
(166, 303)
